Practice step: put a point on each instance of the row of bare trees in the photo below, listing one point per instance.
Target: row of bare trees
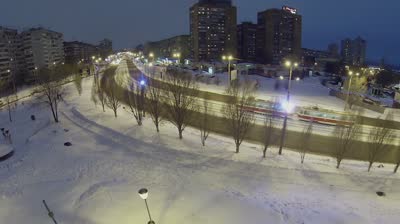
(177, 103)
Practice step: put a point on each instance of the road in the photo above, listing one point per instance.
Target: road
(217, 102)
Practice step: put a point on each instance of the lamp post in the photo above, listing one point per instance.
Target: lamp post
(287, 106)
(348, 89)
(144, 193)
(178, 56)
(151, 55)
(142, 89)
(228, 58)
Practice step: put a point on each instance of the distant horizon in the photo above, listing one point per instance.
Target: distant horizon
(133, 23)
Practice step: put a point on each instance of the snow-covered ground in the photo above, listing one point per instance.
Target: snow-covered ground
(304, 93)
(96, 180)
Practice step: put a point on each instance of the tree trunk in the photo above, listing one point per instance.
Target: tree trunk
(180, 132)
(338, 164)
(265, 152)
(396, 168)
(369, 167)
(9, 112)
(237, 147)
(54, 114)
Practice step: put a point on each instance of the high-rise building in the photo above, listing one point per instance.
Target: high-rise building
(279, 35)
(166, 48)
(354, 51)
(8, 52)
(333, 50)
(76, 51)
(213, 29)
(246, 37)
(105, 48)
(39, 48)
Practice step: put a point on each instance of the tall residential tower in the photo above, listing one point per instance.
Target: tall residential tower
(212, 29)
(354, 51)
(279, 35)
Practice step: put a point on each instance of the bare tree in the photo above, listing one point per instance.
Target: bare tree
(269, 132)
(50, 83)
(240, 119)
(204, 122)
(98, 94)
(102, 96)
(78, 83)
(305, 140)
(94, 98)
(7, 91)
(111, 99)
(181, 98)
(379, 137)
(154, 104)
(135, 103)
(346, 135)
(397, 160)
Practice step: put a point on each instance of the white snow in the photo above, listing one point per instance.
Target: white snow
(96, 180)
(304, 93)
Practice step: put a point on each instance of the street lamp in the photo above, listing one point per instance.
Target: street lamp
(144, 193)
(348, 89)
(142, 84)
(228, 58)
(287, 106)
(178, 56)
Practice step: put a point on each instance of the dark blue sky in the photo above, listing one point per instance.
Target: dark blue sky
(130, 22)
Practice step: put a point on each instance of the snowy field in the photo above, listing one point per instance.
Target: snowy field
(95, 181)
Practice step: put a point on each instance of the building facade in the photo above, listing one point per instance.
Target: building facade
(279, 35)
(168, 47)
(333, 50)
(246, 37)
(353, 52)
(8, 53)
(40, 48)
(213, 30)
(105, 47)
(76, 51)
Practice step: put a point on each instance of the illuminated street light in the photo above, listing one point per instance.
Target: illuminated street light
(348, 89)
(228, 58)
(297, 79)
(178, 56)
(281, 77)
(287, 106)
(144, 193)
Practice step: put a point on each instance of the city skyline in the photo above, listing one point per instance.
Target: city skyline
(318, 18)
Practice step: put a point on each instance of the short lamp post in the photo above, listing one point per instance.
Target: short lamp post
(286, 105)
(144, 193)
(349, 88)
(228, 58)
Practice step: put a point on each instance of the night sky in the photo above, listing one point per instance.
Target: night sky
(130, 22)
